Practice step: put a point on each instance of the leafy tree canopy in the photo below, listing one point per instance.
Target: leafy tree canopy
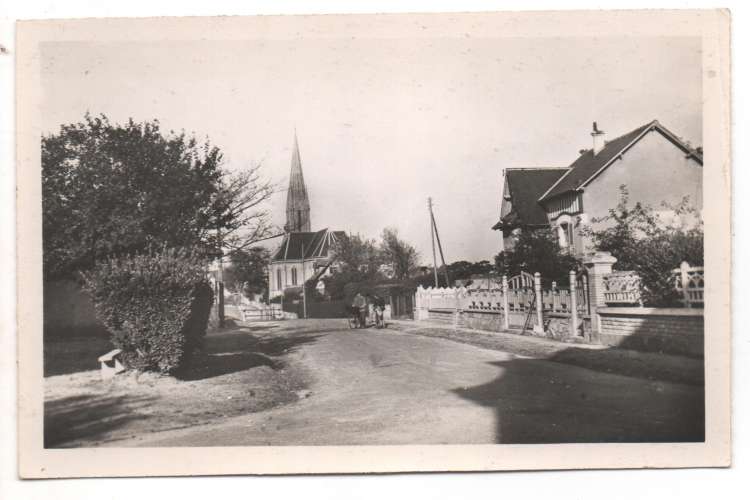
(359, 260)
(537, 251)
(461, 270)
(651, 244)
(247, 272)
(111, 189)
(355, 254)
(400, 254)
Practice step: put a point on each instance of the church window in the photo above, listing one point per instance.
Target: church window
(278, 279)
(294, 276)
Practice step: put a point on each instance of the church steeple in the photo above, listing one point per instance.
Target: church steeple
(297, 202)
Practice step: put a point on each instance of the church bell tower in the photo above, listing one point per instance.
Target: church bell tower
(297, 201)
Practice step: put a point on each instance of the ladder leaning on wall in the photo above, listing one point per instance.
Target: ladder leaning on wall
(529, 314)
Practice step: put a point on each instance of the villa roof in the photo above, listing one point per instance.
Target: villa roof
(525, 186)
(588, 165)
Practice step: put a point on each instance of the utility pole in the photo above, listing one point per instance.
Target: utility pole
(436, 236)
(432, 239)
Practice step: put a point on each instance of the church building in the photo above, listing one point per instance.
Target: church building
(303, 254)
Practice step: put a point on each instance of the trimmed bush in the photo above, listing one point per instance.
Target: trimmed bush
(155, 306)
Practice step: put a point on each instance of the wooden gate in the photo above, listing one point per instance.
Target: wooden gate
(522, 280)
(402, 306)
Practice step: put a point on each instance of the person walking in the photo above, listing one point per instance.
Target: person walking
(360, 304)
(378, 305)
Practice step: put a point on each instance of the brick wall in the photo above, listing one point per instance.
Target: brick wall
(488, 321)
(441, 316)
(675, 331)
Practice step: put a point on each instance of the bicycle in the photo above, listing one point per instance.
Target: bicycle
(379, 318)
(353, 317)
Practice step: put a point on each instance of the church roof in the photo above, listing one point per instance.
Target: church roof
(297, 198)
(315, 244)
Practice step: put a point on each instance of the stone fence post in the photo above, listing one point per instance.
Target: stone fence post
(420, 304)
(539, 327)
(506, 309)
(598, 265)
(573, 305)
(684, 278)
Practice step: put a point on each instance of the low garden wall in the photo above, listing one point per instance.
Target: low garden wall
(670, 330)
(599, 309)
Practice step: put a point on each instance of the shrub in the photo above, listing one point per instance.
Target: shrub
(643, 242)
(155, 306)
(537, 251)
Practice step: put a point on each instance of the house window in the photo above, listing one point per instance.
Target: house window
(278, 279)
(565, 234)
(294, 276)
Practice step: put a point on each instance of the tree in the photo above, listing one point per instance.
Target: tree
(461, 270)
(400, 254)
(239, 220)
(357, 260)
(111, 189)
(537, 251)
(646, 243)
(247, 272)
(357, 254)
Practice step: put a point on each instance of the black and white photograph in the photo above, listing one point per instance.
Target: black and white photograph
(375, 231)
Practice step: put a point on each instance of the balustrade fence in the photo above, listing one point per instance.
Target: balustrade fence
(521, 297)
(624, 287)
(581, 312)
(519, 302)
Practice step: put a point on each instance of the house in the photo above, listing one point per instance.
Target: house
(654, 164)
(520, 209)
(303, 254)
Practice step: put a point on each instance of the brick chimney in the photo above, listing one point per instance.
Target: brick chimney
(598, 136)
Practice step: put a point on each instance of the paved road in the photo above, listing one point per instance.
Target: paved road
(390, 387)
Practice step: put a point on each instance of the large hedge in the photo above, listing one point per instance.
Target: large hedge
(155, 305)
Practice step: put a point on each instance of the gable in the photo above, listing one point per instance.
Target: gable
(523, 187)
(588, 165)
(653, 172)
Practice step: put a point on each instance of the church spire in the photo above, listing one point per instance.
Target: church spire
(297, 202)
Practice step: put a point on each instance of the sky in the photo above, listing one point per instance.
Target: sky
(383, 124)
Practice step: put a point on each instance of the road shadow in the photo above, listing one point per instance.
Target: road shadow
(237, 350)
(634, 363)
(88, 416)
(540, 401)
